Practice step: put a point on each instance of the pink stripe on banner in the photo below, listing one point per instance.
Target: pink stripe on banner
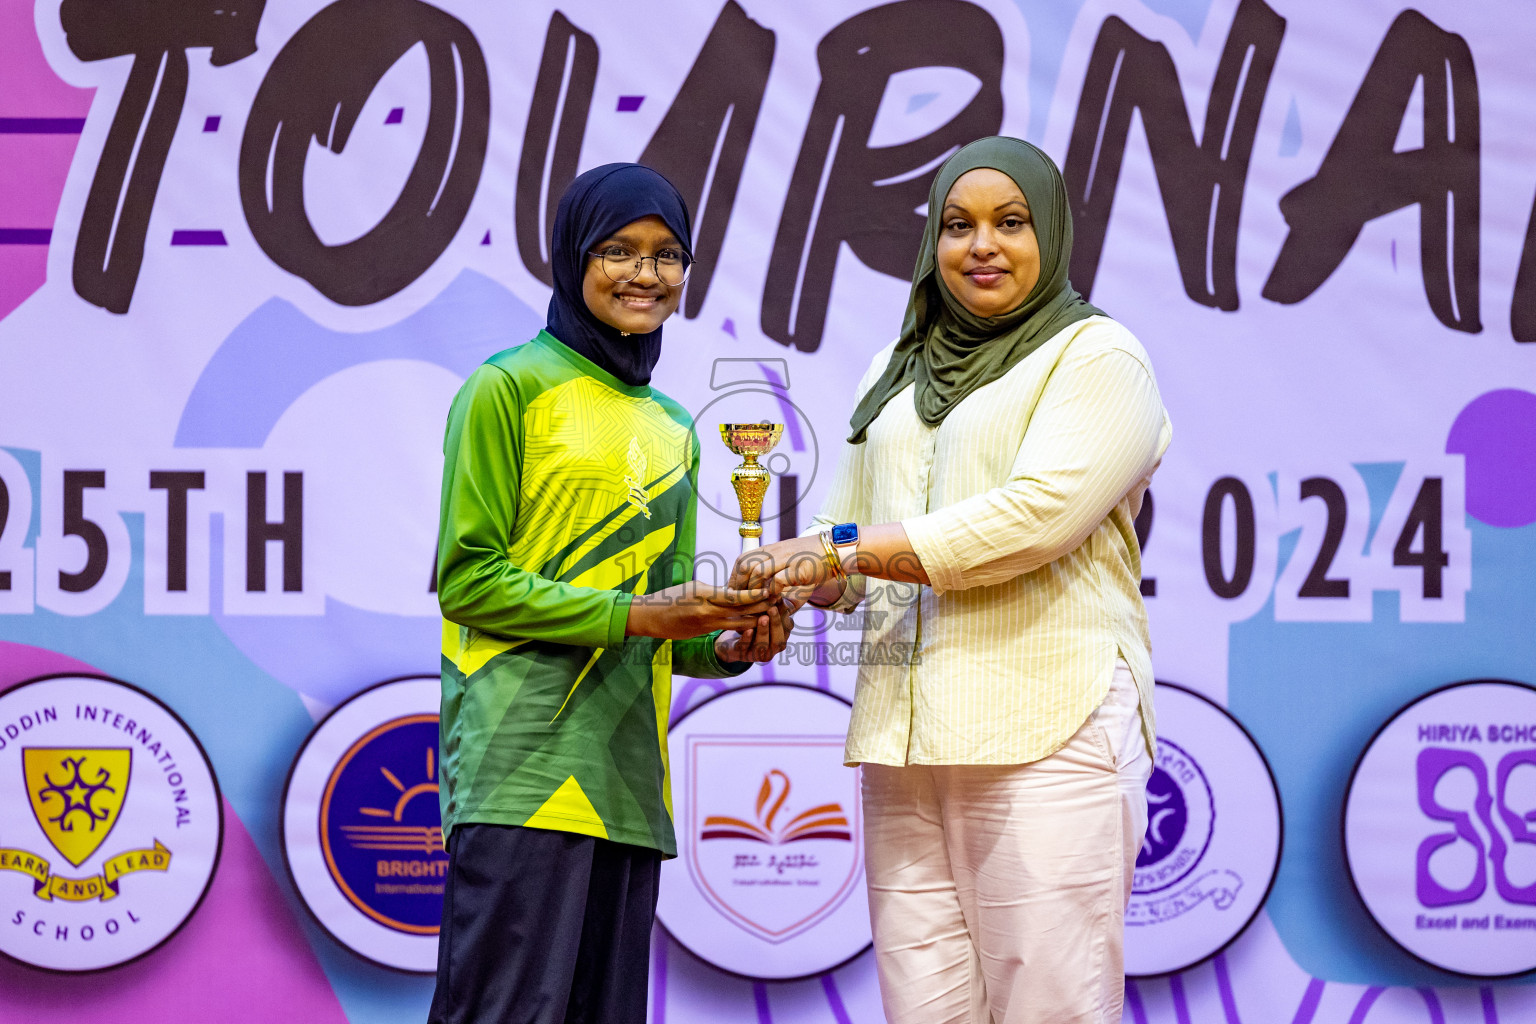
(41, 117)
(32, 179)
(29, 89)
(20, 662)
(22, 270)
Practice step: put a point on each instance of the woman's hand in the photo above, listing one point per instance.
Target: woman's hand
(799, 562)
(883, 552)
(764, 641)
(692, 609)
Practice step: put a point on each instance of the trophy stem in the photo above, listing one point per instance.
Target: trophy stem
(750, 482)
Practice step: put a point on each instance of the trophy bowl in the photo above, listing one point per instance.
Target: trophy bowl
(751, 439)
(750, 480)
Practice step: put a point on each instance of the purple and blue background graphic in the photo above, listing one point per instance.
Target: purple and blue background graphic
(227, 351)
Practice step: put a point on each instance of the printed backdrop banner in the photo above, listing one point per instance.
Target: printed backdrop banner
(249, 251)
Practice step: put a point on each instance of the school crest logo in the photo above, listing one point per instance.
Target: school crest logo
(1212, 844)
(780, 873)
(362, 828)
(77, 809)
(112, 823)
(770, 839)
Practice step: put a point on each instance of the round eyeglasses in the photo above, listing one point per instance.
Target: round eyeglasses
(622, 264)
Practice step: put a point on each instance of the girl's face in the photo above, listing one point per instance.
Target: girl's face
(987, 254)
(638, 306)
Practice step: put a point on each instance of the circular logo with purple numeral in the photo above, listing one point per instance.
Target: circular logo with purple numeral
(1440, 828)
(1212, 843)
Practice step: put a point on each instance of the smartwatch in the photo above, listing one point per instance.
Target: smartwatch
(845, 540)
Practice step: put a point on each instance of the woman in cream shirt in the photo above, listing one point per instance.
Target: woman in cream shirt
(981, 515)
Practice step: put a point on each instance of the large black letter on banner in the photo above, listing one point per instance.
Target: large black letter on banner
(315, 90)
(844, 191)
(1362, 178)
(562, 93)
(1201, 185)
(1522, 311)
(110, 247)
(702, 143)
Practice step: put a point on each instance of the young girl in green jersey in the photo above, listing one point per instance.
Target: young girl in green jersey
(565, 553)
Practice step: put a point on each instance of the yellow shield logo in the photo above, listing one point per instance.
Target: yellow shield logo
(77, 794)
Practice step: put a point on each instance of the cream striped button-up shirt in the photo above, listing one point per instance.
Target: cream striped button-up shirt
(1020, 506)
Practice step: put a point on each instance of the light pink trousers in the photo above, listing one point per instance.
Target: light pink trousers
(997, 892)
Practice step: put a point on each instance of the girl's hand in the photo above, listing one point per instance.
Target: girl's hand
(692, 609)
(762, 642)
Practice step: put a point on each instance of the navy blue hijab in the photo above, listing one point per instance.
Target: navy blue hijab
(596, 205)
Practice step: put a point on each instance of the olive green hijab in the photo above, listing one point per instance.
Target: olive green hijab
(948, 350)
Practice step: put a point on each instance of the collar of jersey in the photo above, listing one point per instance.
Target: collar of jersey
(589, 368)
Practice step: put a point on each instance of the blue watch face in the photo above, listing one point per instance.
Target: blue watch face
(845, 533)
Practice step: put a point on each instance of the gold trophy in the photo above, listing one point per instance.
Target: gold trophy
(750, 480)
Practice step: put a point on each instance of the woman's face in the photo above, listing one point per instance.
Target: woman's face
(988, 255)
(638, 306)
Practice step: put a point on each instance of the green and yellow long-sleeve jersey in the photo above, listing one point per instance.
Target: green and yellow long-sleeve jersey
(565, 492)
